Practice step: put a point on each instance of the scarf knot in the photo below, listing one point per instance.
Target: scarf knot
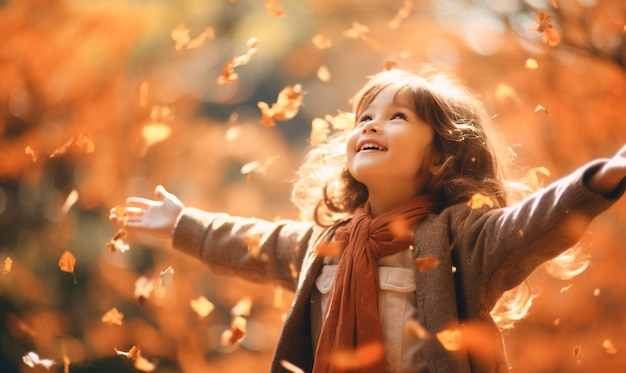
(352, 319)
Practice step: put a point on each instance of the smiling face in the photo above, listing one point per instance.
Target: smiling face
(390, 145)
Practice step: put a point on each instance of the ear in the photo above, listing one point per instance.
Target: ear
(434, 163)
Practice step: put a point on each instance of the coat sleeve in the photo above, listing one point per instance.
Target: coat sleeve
(508, 244)
(254, 249)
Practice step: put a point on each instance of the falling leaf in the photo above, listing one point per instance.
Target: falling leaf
(609, 347)
(272, 8)
(165, 278)
(401, 229)
(479, 200)
(202, 306)
(286, 106)
(321, 41)
(290, 367)
(596, 292)
(425, 263)
(32, 360)
(228, 74)
(544, 26)
(8, 263)
(389, 64)
(62, 149)
(331, 248)
(143, 289)
(180, 35)
(117, 243)
(357, 31)
(539, 108)
(235, 333)
(67, 263)
(66, 360)
(85, 144)
(358, 358)
(576, 352)
(257, 166)
(341, 121)
(323, 74)
(402, 14)
(207, 34)
(155, 133)
(242, 308)
(29, 151)
(69, 201)
(140, 362)
(414, 327)
(131, 354)
(450, 339)
(113, 317)
(531, 64)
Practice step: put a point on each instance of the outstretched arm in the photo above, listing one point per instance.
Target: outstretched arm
(155, 217)
(606, 180)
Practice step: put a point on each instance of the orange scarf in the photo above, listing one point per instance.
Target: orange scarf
(352, 318)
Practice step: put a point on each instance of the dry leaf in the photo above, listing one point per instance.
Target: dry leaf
(389, 64)
(531, 64)
(32, 360)
(131, 354)
(319, 131)
(235, 333)
(207, 34)
(359, 358)
(539, 108)
(8, 263)
(143, 289)
(323, 74)
(155, 133)
(290, 367)
(29, 151)
(67, 263)
(321, 41)
(402, 14)
(202, 306)
(242, 308)
(63, 148)
(357, 31)
(286, 106)
(450, 339)
(228, 74)
(609, 347)
(165, 278)
(85, 144)
(117, 243)
(69, 201)
(180, 35)
(544, 26)
(479, 200)
(415, 328)
(113, 317)
(272, 8)
(425, 263)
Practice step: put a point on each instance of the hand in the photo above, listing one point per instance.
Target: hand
(154, 217)
(610, 175)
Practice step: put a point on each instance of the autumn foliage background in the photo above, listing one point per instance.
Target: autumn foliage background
(100, 100)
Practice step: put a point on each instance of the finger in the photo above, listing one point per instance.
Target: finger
(140, 202)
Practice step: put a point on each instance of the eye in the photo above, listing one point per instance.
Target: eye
(364, 118)
(399, 116)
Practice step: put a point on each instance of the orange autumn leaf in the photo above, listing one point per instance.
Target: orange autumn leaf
(63, 148)
(544, 26)
(389, 64)
(358, 358)
(472, 337)
(228, 74)
(235, 333)
(155, 133)
(291, 367)
(140, 362)
(413, 327)
(357, 31)
(29, 151)
(531, 64)
(321, 42)
(117, 243)
(286, 107)
(400, 229)
(207, 34)
(323, 74)
(450, 339)
(8, 263)
(272, 8)
(67, 263)
(113, 317)
(202, 306)
(242, 308)
(609, 347)
(257, 166)
(180, 35)
(69, 201)
(425, 263)
(32, 360)
(402, 14)
(479, 200)
(319, 131)
(165, 278)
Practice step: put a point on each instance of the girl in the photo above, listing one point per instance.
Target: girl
(411, 232)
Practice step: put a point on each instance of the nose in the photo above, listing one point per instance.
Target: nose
(372, 127)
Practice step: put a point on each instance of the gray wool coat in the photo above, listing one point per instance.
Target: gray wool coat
(491, 251)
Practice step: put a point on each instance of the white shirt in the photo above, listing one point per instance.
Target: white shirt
(397, 304)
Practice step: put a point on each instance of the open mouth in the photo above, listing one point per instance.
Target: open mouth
(371, 146)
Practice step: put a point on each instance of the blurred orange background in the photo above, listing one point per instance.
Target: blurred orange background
(100, 100)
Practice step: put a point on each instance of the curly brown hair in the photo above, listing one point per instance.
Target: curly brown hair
(467, 159)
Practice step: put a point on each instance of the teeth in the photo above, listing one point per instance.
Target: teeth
(370, 146)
